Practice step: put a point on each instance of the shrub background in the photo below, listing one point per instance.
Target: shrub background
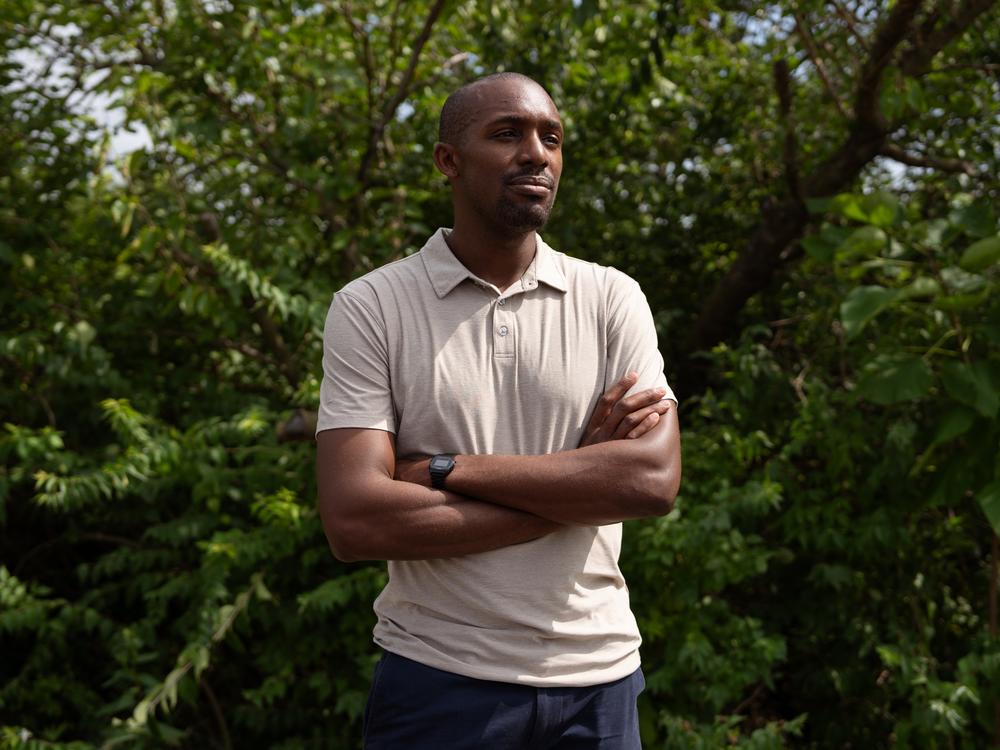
(807, 193)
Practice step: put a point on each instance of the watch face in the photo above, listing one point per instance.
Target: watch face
(440, 462)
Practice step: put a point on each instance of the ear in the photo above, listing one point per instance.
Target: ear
(446, 159)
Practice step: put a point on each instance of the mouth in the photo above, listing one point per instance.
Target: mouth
(535, 185)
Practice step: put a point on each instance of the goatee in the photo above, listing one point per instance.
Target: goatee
(521, 217)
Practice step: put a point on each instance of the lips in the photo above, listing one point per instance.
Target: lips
(531, 184)
(538, 180)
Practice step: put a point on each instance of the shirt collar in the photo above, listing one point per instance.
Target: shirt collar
(445, 271)
(546, 267)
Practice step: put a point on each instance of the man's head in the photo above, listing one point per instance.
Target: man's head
(501, 149)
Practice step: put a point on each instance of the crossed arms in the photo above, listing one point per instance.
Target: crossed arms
(377, 507)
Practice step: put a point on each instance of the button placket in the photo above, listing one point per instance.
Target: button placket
(503, 332)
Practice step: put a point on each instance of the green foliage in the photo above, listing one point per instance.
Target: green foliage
(164, 580)
(932, 366)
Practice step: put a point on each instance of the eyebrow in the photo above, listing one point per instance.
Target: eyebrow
(521, 121)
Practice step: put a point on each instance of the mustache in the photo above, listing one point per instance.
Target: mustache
(530, 177)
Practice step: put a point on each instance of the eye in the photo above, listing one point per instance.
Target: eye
(552, 139)
(505, 133)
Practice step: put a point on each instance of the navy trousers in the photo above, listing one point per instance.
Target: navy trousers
(415, 707)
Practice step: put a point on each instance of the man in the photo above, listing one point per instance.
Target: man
(463, 436)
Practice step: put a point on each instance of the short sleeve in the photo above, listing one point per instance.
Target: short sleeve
(355, 391)
(632, 344)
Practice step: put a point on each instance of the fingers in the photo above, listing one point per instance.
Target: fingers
(639, 400)
(644, 426)
(608, 400)
(618, 417)
(639, 422)
(623, 411)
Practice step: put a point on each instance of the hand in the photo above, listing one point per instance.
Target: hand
(618, 418)
(413, 470)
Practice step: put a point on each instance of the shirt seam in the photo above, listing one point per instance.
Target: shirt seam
(376, 316)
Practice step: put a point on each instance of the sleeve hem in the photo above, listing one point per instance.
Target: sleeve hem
(344, 421)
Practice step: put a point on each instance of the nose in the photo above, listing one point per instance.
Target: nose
(533, 150)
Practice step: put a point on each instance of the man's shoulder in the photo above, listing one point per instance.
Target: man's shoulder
(588, 275)
(405, 277)
(401, 273)
(392, 272)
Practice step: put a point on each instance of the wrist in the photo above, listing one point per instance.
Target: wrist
(439, 468)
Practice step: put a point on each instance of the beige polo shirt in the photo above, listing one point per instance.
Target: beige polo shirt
(424, 349)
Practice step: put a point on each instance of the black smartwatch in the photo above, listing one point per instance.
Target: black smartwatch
(440, 467)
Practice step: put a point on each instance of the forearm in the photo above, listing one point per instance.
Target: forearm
(401, 521)
(597, 484)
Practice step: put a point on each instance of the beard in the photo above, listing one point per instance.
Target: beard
(519, 217)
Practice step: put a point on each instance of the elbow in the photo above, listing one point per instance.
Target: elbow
(660, 503)
(657, 470)
(353, 531)
(660, 488)
(340, 545)
(669, 497)
(341, 532)
(345, 557)
(343, 553)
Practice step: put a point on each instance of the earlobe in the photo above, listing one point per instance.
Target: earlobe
(446, 159)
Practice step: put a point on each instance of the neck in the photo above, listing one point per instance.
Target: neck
(496, 258)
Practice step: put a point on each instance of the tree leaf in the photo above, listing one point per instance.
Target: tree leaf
(862, 304)
(862, 242)
(989, 500)
(878, 209)
(922, 286)
(888, 380)
(7, 255)
(819, 205)
(818, 248)
(981, 254)
(823, 245)
(955, 422)
(972, 385)
(977, 219)
(962, 302)
(960, 281)
(881, 207)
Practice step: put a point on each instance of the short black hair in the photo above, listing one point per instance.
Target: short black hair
(458, 113)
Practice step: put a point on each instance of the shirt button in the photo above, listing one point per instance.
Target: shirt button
(501, 301)
(503, 330)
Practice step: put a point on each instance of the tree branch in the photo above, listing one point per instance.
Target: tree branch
(852, 24)
(979, 67)
(810, 44)
(220, 719)
(783, 222)
(451, 62)
(272, 159)
(195, 267)
(922, 50)
(366, 57)
(393, 48)
(888, 37)
(401, 92)
(243, 348)
(955, 166)
(350, 255)
(782, 82)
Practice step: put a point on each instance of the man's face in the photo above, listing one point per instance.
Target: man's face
(510, 157)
